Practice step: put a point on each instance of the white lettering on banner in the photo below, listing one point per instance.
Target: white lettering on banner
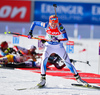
(6, 11)
(16, 11)
(62, 9)
(96, 10)
(46, 8)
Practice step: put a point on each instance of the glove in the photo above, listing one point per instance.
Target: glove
(12, 50)
(43, 41)
(9, 50)
(30, 34)
(71, 60)
(55, 39)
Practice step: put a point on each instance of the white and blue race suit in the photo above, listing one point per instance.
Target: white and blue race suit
(54, 46)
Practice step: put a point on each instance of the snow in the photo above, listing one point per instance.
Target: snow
(10, 79)
(15, 79)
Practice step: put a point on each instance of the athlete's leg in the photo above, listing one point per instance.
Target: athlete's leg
(45, 57)
(66, 59)
(63, 54)
(44, 62)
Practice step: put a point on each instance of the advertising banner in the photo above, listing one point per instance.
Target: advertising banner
(13, 10)
(68, 12)
(15, 39)
(70, 47)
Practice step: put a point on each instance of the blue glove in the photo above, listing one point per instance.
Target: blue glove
(30, 34)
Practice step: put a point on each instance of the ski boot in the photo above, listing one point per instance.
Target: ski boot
(79, 80)
(42, 83)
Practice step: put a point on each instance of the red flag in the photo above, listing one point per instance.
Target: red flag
(82, 50)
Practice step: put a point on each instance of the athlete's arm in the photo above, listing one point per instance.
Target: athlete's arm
(38, 23)
(63, 31)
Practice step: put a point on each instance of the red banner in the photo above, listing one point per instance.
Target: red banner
(70, 43)
(12, 10)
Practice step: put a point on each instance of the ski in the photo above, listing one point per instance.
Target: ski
(18, 34)
(40, 86)
(87, 86)
(36, 87)
(19, 89)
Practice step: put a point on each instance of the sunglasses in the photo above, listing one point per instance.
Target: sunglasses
(53, 18)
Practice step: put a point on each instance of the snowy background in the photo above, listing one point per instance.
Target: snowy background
(10, 80)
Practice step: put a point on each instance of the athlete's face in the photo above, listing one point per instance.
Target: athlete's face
(53, 25)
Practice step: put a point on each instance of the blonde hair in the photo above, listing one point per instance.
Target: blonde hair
(52, 16)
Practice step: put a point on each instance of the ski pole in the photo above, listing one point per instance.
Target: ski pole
(87, 62)
(32, 37)
(55, 6)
